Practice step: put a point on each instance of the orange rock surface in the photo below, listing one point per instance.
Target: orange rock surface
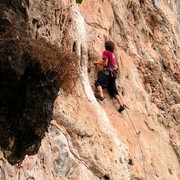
(87, 139)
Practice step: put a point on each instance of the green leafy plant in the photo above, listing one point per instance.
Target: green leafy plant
(27, 2)
(79, 1)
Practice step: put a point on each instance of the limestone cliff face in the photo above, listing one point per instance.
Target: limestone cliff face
(89, 140)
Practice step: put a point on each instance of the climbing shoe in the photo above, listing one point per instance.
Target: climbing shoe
(98, 96)
(121, 108)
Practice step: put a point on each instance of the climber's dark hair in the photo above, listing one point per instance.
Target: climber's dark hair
(110, 46)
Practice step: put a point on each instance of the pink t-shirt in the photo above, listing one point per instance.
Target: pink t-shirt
(111, 59)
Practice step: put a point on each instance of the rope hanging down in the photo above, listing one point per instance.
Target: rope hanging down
(137, 132)
(137, 135)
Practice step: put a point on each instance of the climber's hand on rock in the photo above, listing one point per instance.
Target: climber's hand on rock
(95, 62)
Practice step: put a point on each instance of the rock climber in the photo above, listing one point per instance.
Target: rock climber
(107, 77)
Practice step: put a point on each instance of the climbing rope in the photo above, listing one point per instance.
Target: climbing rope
(137, 135)
(137, 132)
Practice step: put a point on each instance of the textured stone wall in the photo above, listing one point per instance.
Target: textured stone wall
(91, 140)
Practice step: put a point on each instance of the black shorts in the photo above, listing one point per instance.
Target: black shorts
(107, 81)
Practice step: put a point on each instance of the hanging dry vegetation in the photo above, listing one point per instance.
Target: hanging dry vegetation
(31, 74)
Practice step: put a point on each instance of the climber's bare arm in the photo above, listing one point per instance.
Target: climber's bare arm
(103, 62)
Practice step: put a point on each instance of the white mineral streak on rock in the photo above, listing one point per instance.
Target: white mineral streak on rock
(80, 33)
